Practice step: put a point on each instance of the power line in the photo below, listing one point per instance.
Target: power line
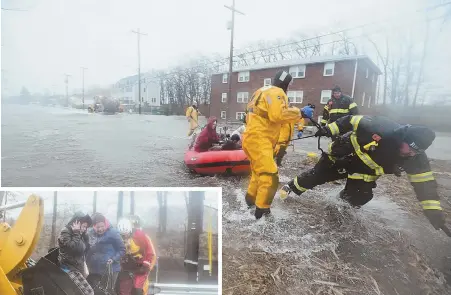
(214, 63)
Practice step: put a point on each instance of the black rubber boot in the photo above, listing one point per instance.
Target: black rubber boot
(259, 212)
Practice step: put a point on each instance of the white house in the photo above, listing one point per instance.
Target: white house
(127, 90)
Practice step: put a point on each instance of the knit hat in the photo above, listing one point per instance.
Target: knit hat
(419, 138)
(98, 217)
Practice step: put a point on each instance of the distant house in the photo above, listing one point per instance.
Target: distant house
(127, 90)
(313, 80)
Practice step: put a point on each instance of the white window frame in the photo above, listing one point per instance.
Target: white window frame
(329, 66)
(294, 94)
(242, 97)
(295, 70)
(266, 83)
(363, 98)
(240, 115)
(324, 94)
(367, 75)
(244, 77)
(223, 114)
(225, 78)
(369, 102)
(224, 97)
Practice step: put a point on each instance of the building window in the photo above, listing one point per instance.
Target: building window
(369, 102)
(367, 73)
(242, 97)
(295, 96)
(325, 96)
(240, 115)
(267, 82)
(297, 71)
(224, 78)
(243, 76)
(224, 97)
(144, 89)
(329, 68)
(223, 114)
(363, 99)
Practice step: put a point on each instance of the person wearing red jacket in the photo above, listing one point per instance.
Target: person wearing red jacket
(207, 137)
(139, 259)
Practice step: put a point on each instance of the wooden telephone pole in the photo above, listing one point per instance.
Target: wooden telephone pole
(139, 34)
(83, 85)
(229, 78)
(195, 224)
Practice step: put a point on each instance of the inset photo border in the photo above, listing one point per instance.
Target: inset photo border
(111, 240)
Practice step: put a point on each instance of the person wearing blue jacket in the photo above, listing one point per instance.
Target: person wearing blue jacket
(105, 252)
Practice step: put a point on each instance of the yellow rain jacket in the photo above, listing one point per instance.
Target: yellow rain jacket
(192, 115)
(286, 133)
(267, 111)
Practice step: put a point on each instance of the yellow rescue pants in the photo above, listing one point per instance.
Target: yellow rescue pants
(192, 126)
(264, 174)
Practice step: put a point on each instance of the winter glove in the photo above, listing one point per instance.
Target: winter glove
(436, 218)
(323, 131)
(299, 134)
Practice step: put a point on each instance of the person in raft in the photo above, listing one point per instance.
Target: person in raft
(207, 137)
(232, 143)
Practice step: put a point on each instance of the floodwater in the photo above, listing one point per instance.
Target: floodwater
(49, 146)
(45, 146)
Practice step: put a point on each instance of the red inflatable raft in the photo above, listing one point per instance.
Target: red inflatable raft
(217, 162)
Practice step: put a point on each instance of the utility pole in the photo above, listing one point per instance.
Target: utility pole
(66, 80)
(195, 223)
(229, 78)
(83, 85)
(94, 203)
(55, 212)
(120, 205)
(132, 203)
(139, 34)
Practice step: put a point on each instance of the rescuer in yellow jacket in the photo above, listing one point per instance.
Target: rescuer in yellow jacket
(267, 111)
(286, 133)
(192, 114)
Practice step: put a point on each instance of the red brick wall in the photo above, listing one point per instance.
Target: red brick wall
(312, 85)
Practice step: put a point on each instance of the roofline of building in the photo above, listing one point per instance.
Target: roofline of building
(306, 61)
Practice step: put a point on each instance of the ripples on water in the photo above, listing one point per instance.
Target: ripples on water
(45, 146)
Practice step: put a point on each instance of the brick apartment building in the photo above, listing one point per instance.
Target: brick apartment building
(312, 82)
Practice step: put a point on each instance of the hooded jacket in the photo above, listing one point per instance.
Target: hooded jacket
(73, 245)
(206, 137)
(108, 245)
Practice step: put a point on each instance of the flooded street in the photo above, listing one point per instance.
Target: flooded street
(45, 146)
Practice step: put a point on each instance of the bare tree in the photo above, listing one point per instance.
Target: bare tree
(421, 69)
(384, 58)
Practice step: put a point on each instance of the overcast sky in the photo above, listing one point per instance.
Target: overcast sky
(59, 36)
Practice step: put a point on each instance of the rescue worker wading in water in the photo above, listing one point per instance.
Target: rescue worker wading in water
(192, 114)
(138, 261)
(366, 148)
(267, 111)
(338, 106)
